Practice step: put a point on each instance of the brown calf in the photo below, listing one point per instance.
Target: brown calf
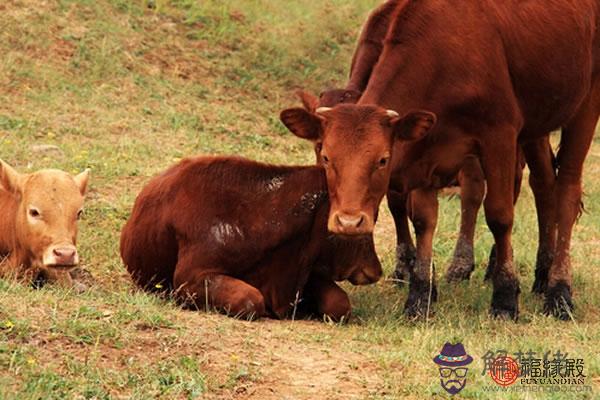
(244, 237)
(495, 76)
(38, 222)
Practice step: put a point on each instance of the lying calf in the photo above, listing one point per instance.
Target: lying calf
(38, 223)
(244, 237)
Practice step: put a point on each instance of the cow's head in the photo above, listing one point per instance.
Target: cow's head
(355, 144)
(328, 98)
(49, 204)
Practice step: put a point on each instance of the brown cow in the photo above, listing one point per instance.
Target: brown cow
(244, 237)
(422, 205)
(38, 222)
(495, 74)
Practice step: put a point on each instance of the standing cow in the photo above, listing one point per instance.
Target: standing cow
(422, 204)
(244, 237)
(38, 223)
(493, 75)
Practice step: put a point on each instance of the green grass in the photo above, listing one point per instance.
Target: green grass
(127, 88)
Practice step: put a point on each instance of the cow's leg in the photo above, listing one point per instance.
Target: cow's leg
(498, 158)
(198, 289)
(472, 190)
(405, 249)
(574, 145)
(520, 164)
(542, 179)
(422, 290)
(326, 298)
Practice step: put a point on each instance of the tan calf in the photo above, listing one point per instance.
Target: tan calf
(38, 222)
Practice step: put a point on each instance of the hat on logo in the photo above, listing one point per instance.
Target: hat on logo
(453, 355)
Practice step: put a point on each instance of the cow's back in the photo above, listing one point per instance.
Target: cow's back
(228, 211)
(552, 51)
(527, 62)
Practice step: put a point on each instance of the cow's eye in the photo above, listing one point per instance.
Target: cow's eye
(34, 213)
(383, 161)
(325, 159)
(79, 214)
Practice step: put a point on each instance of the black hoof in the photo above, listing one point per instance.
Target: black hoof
(489, 271)
(559, 302)
(39, 281)
(420, 299)
(459, 270)
(505, 301)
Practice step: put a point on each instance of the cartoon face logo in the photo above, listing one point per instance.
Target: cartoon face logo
(452, 361)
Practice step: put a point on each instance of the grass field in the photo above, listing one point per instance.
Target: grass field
(127, 88)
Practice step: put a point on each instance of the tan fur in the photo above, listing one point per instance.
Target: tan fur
(38, 222)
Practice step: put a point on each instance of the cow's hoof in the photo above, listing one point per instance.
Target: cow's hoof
(421, 297)
(558, 302)
(505, 302)
(39, 281)
(460, 270)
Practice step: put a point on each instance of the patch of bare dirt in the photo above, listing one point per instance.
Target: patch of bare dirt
(281, 359)
(283, 364)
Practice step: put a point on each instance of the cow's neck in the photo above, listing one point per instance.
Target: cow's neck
(398, 83)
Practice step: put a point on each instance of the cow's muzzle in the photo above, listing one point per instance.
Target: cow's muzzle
(350, 223)
(62, 256)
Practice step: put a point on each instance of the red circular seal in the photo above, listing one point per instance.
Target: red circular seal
(504, 371)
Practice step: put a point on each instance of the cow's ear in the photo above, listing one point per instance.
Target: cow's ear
(309, 101)
(10, 179)
(81, 180)
(413, 126)
(302, 123)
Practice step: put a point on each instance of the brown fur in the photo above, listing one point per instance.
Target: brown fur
(248, 235)
(495, 74)
(38, 222)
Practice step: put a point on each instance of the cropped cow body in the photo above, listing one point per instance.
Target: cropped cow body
(244, 237)
(494, 75)
(38, 222)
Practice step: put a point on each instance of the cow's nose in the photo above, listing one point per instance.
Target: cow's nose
(349, 221)
(65, 255)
